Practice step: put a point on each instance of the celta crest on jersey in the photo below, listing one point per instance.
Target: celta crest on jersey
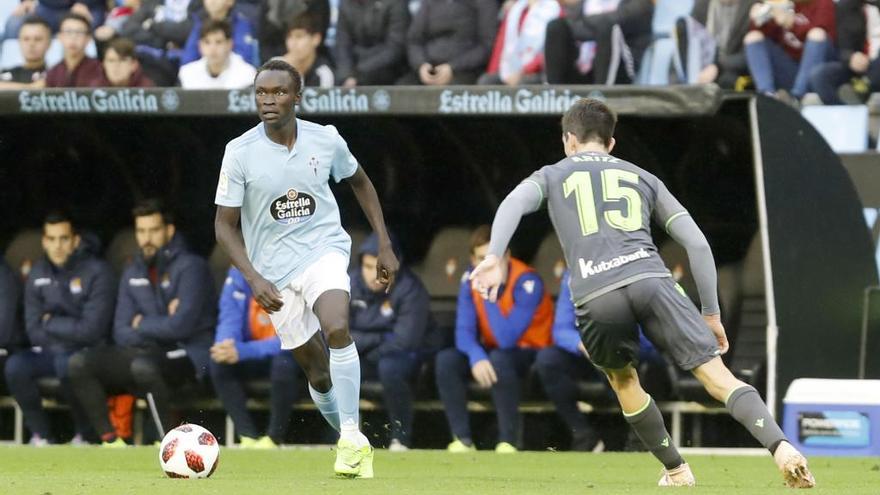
(293, 207)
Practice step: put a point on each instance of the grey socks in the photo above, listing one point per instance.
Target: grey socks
(746, 406)
(649, 427)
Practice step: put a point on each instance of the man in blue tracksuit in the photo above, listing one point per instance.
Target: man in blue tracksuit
(163, 326)
(390, 331)
(246, 347)
(68, 307)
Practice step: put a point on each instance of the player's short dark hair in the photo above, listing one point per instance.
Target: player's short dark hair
(215, 26)
(307, 21)
(123, 47)
(59, 216)
(70, 16)
(590, 120)
(480, 236)
(152, 206)
(278, 64)
(35, 20)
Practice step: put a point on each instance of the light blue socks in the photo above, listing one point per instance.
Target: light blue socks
(326, 403)
(345, 373)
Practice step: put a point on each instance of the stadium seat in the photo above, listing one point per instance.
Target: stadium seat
(10, 55)
(6, 8)
(219, 264)
(121, 249)
(25, 249)
(448, 257)
(663, 54)
(549, 262)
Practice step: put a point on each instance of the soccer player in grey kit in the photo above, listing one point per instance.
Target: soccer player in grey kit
(601, 208)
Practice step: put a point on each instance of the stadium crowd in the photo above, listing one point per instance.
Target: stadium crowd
(782, 48)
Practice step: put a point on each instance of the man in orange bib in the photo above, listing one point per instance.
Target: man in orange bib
(495, 344)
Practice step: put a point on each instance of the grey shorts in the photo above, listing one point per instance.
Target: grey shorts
(609, 325)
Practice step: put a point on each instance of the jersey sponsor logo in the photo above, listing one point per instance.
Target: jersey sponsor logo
(292, 208)
(42, 281)
(138, 282)
(588, 268)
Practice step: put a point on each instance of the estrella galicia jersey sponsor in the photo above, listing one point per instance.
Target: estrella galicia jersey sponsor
(601, 207)
(289, 216)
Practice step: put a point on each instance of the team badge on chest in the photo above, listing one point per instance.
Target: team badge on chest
(76, 285)
(292, 208)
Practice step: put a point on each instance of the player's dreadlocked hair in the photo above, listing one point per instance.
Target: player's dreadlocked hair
(277, 64)
(590, 120)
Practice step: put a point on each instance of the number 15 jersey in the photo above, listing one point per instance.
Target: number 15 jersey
(601, 208)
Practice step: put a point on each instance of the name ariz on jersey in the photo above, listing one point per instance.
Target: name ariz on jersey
(594, 158)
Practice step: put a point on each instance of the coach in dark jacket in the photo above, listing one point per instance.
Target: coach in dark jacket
(371, 41)
(449, 41)
(163, 325)
(390, 331)
(68, 307)
(11, 333)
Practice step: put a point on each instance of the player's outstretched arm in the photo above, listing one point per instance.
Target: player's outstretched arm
(228, 234)
(386, 264)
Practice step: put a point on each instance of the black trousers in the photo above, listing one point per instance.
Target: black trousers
(102, 371)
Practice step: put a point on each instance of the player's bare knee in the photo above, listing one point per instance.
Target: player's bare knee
(817, 34)
(337, 335)
(622, 379)
(753, 37)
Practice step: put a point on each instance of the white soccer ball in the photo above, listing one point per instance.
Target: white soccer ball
(189, 451)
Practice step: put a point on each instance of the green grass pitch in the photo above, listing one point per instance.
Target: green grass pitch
(67, 470)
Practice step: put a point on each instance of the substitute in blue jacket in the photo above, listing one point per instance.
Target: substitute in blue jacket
(244, 40)
(11, 334)
(495, 343)
(68, 307)
(246, 348)
(163, 326)
(390, 331)
(561, 365)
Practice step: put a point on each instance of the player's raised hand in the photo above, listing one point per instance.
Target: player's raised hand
(486, 277)
(266, 295)
(386, 268)
(714, 323)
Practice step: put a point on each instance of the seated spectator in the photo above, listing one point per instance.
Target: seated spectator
(449, 42)
(389, 330)
(275, 17)
(580, 47)
(371, 42)
(54, 12)
(304, 41)
(219, 67)
(518, 54)
(786, 44)
(162, 329)
(852, 78)
(561, 365)
(76, 70)
(33, 41)
(121, 67)
(68, 308)
(495, 344)
(728, 22)
(116, 19)
(246, 348)
(242, 33)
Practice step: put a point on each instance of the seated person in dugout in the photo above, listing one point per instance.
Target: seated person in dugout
(163, 327)
(495, 344)
(68, 307)
(246, 348)
(390, 330)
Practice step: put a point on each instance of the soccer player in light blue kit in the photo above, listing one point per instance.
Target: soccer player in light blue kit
(292, 250)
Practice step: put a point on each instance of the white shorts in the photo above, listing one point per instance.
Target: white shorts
(295, 323)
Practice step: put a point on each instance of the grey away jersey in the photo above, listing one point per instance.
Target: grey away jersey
(601, 208)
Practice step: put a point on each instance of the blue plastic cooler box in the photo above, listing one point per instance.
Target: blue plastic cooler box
(833, 417)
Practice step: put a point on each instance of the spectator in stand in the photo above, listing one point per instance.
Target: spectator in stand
(121, 67)
(54, 12)
(246, 348)
(371, 42)
(275, 18)
(33, 41)
(76, 70)
(580, 47)
(852, 78)
(786, 43)
(243, 34)
(495, 344)
(390, 331)
(518, 55)
(728, 23)
(162, 329)
(68, 307)
(116, 19)
(219, 67)
(449, 41)
(304, 42)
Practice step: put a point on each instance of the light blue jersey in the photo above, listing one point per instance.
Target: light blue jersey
(289, 216)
